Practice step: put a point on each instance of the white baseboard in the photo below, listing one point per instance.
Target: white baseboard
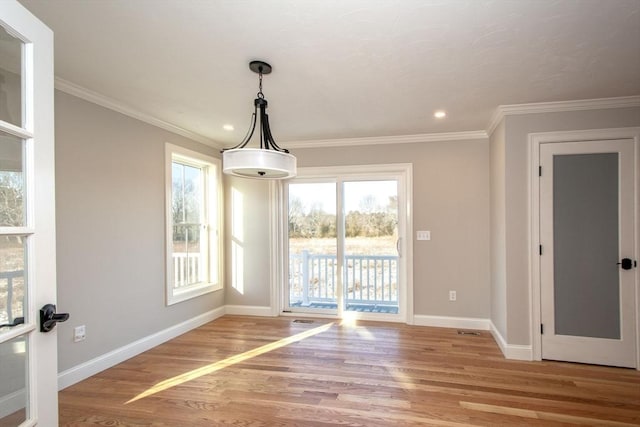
(12, 402)
(451, 322)
(100, 363)
(511, 351)
(249, 310)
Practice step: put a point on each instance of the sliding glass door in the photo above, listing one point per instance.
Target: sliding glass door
(370, 243)
(344, 244)
(313, 246)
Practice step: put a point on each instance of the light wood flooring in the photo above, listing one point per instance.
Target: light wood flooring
(251, 371)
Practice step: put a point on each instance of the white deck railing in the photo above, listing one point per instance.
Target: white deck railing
(186, 269)
(368, 279)
(7, 315)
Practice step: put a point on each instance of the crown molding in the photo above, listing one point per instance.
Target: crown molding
(383, 140)
(499, 114)
(560, 106)
(110, 103)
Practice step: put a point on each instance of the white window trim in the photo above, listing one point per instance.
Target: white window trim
(173, 152)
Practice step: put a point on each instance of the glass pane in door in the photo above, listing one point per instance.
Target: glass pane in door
(12, 214)
(12, 280)
(12, 182)
(10, 78)
(13, 381)
(585, 234)
(312, 246)
(371, 238)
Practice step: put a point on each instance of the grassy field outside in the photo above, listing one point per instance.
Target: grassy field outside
(385, 245)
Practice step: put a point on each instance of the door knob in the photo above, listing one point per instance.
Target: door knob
(49, 317)
(626, 264)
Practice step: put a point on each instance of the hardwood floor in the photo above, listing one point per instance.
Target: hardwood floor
(248, 371)
(14, 419)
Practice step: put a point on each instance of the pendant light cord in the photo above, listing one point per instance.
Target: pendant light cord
(260, 94)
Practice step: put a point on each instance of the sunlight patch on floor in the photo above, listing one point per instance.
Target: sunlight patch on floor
(229, 361)
(402, 378)
(350, 320)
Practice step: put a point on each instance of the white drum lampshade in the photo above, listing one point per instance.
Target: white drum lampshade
(258, 163)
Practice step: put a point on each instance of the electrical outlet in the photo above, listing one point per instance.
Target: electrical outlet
(79, 333)
(452, 295)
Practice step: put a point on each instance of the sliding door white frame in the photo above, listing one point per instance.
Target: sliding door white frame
(279, 256)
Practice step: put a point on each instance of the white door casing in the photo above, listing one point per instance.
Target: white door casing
(618, 352)
(400, 172)
(36, 130)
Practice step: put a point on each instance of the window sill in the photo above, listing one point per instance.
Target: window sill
(190, 292)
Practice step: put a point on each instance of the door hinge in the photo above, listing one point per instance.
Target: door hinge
(541, 329)
(539, 170)
(540, 249)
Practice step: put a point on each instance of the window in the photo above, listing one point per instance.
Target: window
(193, 217)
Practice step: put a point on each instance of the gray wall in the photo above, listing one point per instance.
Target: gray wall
(516, 258)
(247, 227)
(110, 230)
(450, 198)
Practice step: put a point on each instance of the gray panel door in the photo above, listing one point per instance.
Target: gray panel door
(586, 229)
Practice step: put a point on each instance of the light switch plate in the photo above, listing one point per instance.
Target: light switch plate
(423, 235)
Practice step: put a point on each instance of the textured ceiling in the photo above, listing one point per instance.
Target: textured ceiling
(344, 68)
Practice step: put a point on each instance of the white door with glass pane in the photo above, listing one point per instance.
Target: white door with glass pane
(28, 357)
(344, 244)
(587, 262)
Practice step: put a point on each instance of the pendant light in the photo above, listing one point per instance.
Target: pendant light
(269, 161)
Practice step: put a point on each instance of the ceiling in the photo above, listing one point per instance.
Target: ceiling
(343, 68)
